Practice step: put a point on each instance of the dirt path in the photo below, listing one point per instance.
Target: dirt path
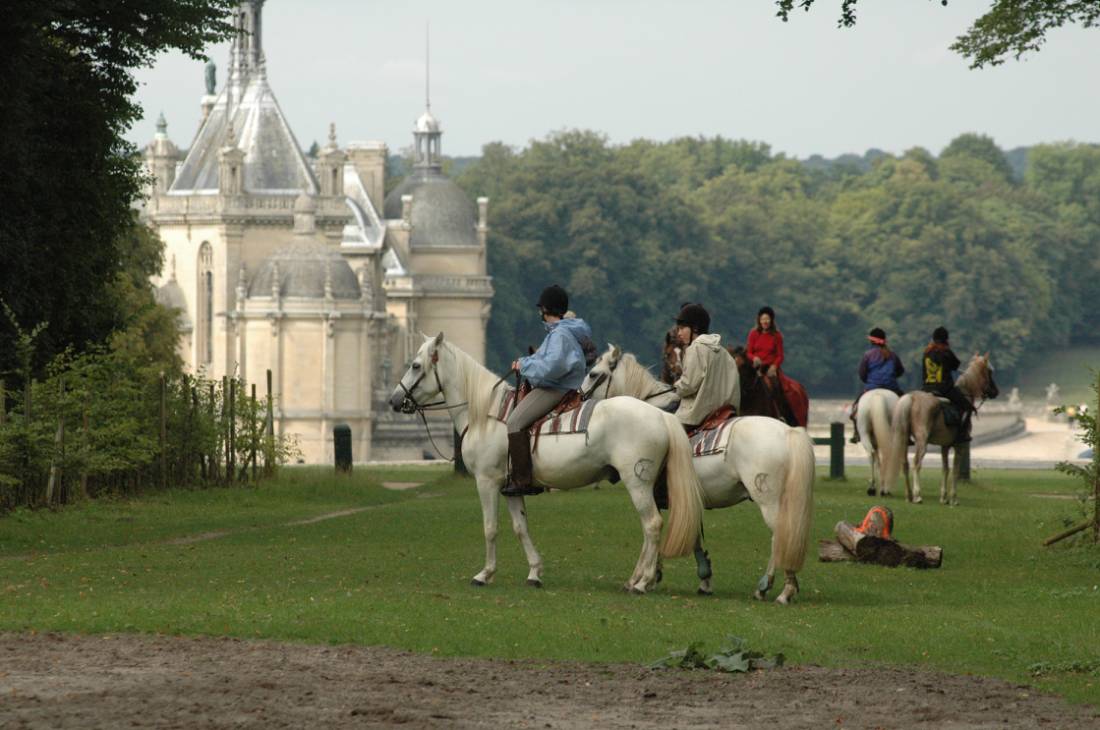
(66, 681)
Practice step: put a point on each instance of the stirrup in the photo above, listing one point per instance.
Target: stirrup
(515, 490)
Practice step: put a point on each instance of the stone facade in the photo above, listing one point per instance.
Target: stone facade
(301, 267)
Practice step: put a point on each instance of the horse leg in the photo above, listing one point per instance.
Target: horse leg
(943, 477)
(790, 589)
(918, 459)
(875, 487)
(702, 568)
(517, 510)
(645, 571)
(488, 490)
(769, 510)
(952, 493)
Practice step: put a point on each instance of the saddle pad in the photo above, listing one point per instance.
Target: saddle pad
(712, 441)
(574, 420)
(507, 405)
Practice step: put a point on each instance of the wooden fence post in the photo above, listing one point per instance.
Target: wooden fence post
(54, 483)
(836, 450)
(225, 427)
(3, 403)
(163, 431)
(269, 451)
(211, 458)
(962, 455)
(232, 464)
(253, 433)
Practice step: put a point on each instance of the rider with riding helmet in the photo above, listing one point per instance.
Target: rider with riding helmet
(937, 377)
(764, 349)
(880, 367)
(709, 378)
(557, 367)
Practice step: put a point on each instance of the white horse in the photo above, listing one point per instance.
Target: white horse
(765, 460)
(921, 414)
(633, 440)
(873, 413)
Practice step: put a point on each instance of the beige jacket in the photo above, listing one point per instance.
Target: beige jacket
(709, 380)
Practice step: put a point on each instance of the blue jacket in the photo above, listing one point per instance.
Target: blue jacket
(879, 371)
(559, 361)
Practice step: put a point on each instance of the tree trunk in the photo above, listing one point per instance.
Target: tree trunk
(871, 549)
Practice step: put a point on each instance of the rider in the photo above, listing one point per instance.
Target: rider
(937, 377)
(764, 349)
(880, 368)
(556, 368)
(709, 377)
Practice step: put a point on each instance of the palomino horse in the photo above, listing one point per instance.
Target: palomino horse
(921, 414)
(624, 437)
(874, 410)
(764, 460)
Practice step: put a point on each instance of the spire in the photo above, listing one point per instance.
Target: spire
(246, 54)
(427, 133)
(162, 125)
(428, 66)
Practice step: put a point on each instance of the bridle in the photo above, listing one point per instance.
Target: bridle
(410, 405)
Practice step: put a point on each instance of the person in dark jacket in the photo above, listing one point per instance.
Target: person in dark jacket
(938, 366)
(880, 368)
(556, 368)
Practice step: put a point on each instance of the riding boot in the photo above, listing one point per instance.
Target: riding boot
(855, 426)
(519, 482)
(963, 434)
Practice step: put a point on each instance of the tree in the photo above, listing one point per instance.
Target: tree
(1008, 28)
(67, 177)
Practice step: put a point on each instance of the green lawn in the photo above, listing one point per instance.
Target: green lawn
(397, 574)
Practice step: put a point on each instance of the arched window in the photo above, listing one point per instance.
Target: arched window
(205, 299)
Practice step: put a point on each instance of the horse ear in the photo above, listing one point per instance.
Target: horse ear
(439, 339)
(616, 351)
(986, 356)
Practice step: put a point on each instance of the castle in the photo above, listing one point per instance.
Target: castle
(305, 267)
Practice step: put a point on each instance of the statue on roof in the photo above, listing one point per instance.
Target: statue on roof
(211, 77)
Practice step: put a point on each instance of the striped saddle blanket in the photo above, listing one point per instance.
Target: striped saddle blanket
(572, 418)
(711, 441)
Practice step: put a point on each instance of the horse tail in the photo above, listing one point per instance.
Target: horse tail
(898, 452)
(796, 503)
(685, 494)
(880, 427)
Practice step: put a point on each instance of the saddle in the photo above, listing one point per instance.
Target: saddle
(570, 415)
(952, 416)
(714, 420)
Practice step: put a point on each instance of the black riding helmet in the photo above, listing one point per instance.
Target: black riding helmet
(554, 300)
(694, 316)
(939, 334)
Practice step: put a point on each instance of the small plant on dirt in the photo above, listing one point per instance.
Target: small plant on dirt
(734, 656)
(1040, 669)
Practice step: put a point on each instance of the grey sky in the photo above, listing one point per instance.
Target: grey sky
(513, 70)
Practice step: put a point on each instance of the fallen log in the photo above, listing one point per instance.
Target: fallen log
(831, 551)
(878, 550)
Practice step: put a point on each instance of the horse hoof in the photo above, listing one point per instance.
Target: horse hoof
(658, 578)
(477, 583)
(870, 491)
(534, 583)
(783, 600)
(758, 595)
(916, 500)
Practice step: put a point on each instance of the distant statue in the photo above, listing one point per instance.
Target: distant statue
(1052, 394)
(211, 78)
(1014, 398)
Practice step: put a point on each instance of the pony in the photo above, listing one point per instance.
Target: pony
(764, 460)
(625, 438)
(874, 411)
(920, 414)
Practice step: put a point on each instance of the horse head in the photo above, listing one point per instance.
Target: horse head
(984, 386)
(602, 371)
(415, 387)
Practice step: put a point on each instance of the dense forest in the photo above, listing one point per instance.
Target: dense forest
(1006, 255)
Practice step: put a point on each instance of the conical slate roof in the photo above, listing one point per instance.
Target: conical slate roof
(273, 161)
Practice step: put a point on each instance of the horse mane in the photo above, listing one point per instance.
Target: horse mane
(977, 363)
(637, 381)
(478, 381)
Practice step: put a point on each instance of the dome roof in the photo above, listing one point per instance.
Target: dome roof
(427, 123)
(170, 295)
(301, 270)
(442, 215)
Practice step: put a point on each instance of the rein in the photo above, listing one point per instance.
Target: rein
(411, 405)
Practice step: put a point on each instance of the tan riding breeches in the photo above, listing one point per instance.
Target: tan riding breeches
(534, 406)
